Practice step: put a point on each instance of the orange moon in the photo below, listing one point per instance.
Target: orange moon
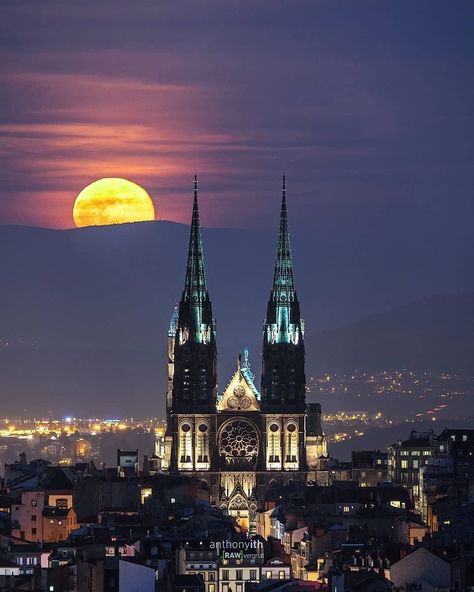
(112, 201)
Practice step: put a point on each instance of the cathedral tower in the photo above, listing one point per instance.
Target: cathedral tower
(243, 441)
(195, 353)
(283, 378)
(192, 364)
(283, 391)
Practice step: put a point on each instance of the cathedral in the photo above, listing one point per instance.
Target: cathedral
(242, 439)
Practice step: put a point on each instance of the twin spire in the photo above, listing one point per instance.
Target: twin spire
(283, 323)
(280, 312)
(195, 351)
(283, 283)
(195, 283)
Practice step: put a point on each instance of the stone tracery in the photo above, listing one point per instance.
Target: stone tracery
(238, 441)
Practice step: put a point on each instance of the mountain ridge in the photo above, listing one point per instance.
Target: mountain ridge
(96, 304)
(434, 332)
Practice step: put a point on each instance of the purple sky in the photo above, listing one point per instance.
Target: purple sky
(366, 106)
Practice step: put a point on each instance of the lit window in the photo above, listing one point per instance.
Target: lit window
(404, 464)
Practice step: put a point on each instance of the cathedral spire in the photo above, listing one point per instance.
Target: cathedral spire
(195, 313)
(195, 351)
(195, 283)
(283, 284)
(283, 380)
(283, 307)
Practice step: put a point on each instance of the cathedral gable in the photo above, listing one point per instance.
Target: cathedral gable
(239, 394)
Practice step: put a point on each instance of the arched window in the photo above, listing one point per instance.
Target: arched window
(202, 443)
(274, 443)
(185, 437)
(291, 443)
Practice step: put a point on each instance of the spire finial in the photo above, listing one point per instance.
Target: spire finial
(196, 187)
(246, 357)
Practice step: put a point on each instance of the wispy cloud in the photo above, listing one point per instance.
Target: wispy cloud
(355, 107)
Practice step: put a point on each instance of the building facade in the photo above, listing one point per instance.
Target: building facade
(405, 458)
(427, 463)
(43, 516)
(240, 440)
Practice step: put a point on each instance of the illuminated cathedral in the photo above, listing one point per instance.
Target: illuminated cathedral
(242, 439)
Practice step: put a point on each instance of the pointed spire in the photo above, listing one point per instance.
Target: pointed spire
(283, 278)
(246, 363)
(173, 322)
(195, 284)
(283, 380)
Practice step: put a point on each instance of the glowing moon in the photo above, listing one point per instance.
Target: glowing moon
(112, 201)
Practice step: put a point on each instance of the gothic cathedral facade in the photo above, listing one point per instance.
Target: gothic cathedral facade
(240, 440)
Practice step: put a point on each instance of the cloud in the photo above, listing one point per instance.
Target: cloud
(357, 106)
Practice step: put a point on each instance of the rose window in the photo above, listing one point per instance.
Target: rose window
(238, 440)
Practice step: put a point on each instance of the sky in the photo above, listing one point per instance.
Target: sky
(366, 106)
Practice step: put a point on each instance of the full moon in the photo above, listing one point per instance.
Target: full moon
(112, 201)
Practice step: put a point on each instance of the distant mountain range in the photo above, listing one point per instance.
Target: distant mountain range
(435, 332)
(84, 313)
